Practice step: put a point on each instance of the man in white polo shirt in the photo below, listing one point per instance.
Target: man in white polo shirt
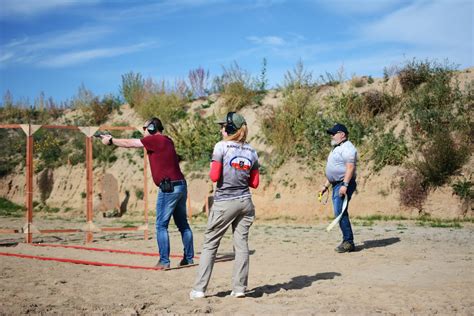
(341, 175)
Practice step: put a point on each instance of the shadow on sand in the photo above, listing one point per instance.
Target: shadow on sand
(296, 283)
(377, 243)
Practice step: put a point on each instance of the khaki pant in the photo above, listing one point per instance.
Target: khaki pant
(240, 213)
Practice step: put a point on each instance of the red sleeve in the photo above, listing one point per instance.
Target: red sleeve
(216, 171)
(254, 179)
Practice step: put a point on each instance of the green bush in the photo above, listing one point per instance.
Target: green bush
(48, 148)
(346, 108)
(10, 209)
(236, 96)
(133, 88)
(441, 158)
(194, 139)
(388, 150)
(169, 107)
(463, 189)
(77, 158)
(376, 102)
(12, 151)
(436, 106)
(103, 155)
(298, 127)
(99, 110)
(414, 73)
(22, 112)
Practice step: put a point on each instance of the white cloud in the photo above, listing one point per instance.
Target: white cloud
(359, 7)
(5, 57)
(433, 23)
(77, 57)
(27, 50)
(267, 40)
(14, 8)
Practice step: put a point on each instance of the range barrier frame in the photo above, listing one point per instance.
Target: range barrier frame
(29, 229)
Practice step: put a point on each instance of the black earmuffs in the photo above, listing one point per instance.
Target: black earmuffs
(230, 127)
(154, 125)
(151, 128)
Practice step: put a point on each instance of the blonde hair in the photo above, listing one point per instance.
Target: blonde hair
(240, 136)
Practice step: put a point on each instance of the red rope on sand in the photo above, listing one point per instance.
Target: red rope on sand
(91, 263)
(152, 254)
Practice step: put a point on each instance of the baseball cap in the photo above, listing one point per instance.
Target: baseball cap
(237, 119)
(337, 128)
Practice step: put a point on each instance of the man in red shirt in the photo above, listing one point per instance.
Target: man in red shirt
(168, 177)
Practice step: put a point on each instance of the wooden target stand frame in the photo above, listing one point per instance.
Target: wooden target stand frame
(89, 228)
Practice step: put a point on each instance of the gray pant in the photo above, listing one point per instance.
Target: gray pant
(240, 213)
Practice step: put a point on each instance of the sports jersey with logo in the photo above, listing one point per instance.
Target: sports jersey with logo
(237, 161)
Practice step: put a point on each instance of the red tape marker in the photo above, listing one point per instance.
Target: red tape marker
(91, 263)
(152, 254)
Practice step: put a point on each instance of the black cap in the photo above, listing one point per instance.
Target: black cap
(337, 128)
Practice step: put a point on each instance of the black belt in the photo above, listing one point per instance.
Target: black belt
(336, 182)
(179, 182)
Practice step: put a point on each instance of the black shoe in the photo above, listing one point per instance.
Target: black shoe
(345, 247)
(185, 262)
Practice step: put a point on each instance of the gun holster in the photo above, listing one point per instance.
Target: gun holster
(166, 185)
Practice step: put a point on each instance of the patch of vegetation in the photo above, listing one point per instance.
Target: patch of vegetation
(236, 96)
(237, 87)
(12, 151)
(10, 209)
(441, 126)
(379, 217)
(297, 128)
(195, 139)
(347, 108)
(388, 150)
(133, 88)
(436, 222)
(415, 72)
(463, 189)
(412, 191)
(168, 106)
(139, 194)
(441, 159)
(98, 110)
(48, 148)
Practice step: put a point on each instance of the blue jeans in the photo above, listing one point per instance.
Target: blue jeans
(337, 201)
(173, 203)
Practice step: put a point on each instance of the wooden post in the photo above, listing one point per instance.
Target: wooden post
(89, 234)
(28, 229)
(29, 186)
(145, 192)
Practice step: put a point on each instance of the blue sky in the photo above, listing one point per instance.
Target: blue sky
(54, 46)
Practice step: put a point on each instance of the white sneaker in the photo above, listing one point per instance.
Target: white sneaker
(196, 295)
(237, 294)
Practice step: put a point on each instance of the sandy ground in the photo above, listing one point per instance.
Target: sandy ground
(398, 269)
